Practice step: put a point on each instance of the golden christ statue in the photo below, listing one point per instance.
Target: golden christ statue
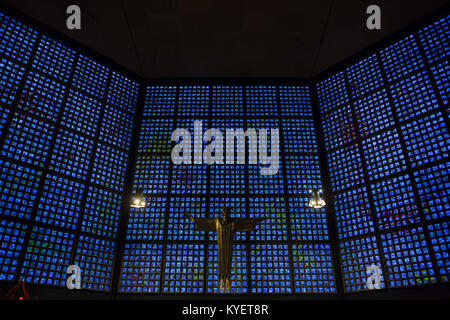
(225, 228)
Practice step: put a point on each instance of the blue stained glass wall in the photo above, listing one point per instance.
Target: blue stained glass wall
(65, 131)
(386, 129)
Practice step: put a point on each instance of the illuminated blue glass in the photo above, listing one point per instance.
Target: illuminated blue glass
(426, 140)
(261, 100)
(101, 214)
(227, 101)
(345, 168)
(434, 190)
(383, 155)
(90, 76)
(184, 268)
(394, 203)
(295, 101)
(193, 101)
(47, 257)
(188, 123)
(54, 59)
(60, 203)
(181, 229)
(440, 243)
(28, 140)
(4, 114)
(10, 75)
(364, 76)
(95, 258)
(237, 210)
(227, 179)
(16, 39)
(332, 92)
(141, 268)
(18, 189)
(160, 101)
(401, 58)
(435, 39)
(12, 237)
(413, 96)
(147, 223)
(373, 113)
(258, 124)
(441, 74)
(152, 174)
(338, 128)
(356, 256)
(117, 127)
(307, 224)
(313, 268)
(407, 259)
(303, 174)
(122, 92)
(109, 167)
(81, 113)
(299, 136)
(71, 154)
(238, 270)
(269, 268)
(155, 135)
(274, 227)
(188, 179)
(42, 96)
(265, 184)
(353, 214)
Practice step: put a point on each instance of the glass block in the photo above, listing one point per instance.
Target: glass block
(141, 268)
(332, 92)
(440, 243)
(184, 268)
(155, 135)
(353, 214)
(28, 140)
(394, 203)
(413, 96)
(71, 154)
(81, 113)
(10, 76)
(12, 237)
(313, 268)
(188, 179)
(228, 179)
(338, 128)
(18, 189)
(54, 59)
(345, 168)
(152, 174)
(41, 96)
(307, 224)
(299, 136)
(227, 101)
(434, 190)
(117, 127)
(109, 169)
(408, 261)
(189, 125)
(95, 257)
(373, 113)
(269, 268)
(265, 184)
(237, 211)
(193, 101)
(47, 257)
(356, 257)
(383, 155)
(401, 58)
(233, 126)
(295, 101)
(303, 174)
(179, 228)
(274, 227)
(426, 139)
(90, 77)
(258, 124)
(435, 39)
(261, 100)
(238, 270)
(122, 92)
(147, 223)
(364, 76)
(101, 214)
(441, 75)
(61, 202)
(160, 101)
(4, 115)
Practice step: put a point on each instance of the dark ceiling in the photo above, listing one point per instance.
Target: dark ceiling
(217, 38)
